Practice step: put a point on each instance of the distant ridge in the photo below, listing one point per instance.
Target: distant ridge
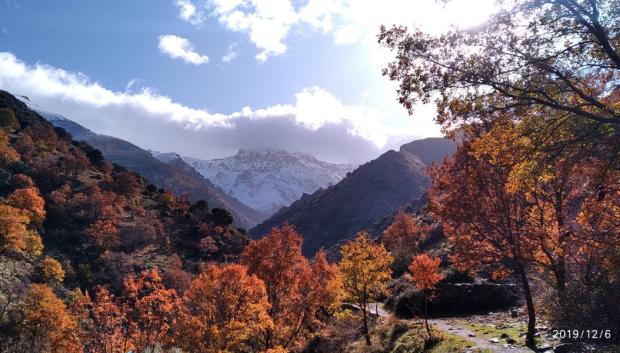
(374, 190)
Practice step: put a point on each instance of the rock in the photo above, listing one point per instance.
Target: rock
(545, 349)
(494, 340)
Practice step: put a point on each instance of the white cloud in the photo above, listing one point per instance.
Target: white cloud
(180, 48)
(190, 13)
(268, 23)
(316, 122)
(231, 53)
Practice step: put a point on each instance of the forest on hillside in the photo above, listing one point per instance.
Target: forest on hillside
(523, 219)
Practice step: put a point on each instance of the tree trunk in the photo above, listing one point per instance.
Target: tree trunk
(366, 333)
(530, 340)
(428, 328)
(560, 276)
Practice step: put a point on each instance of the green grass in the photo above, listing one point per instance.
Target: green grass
(413, 341)
(490, 331)
(410, 337)
(453, 344)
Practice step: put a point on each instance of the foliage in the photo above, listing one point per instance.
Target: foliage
(365, 268)
(225, 308)
(47, 326)
(425, 274)
(297, 291)
(404, 237)
(51, 271)
(150, 309)
(555, 60)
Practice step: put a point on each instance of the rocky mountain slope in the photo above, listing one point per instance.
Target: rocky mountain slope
(174, 175)
(268, 180)
(374, 190)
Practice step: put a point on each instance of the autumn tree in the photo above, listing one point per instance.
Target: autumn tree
(324, 288)
(403, 237)
(225, 308)
(484, 221)
(104, 328)
(8, 154)
(557, 61)
(365, 268)
(151, 310)
(425, 275)
(295, 289)
(29, 200)
(175, 277)
(51, 271)
(47, 326)
(105, 210)
(126, 183)
(15, 232)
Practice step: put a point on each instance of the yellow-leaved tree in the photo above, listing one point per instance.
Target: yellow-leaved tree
(365, 268)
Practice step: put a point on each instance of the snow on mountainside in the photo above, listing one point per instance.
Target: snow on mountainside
(267, 180)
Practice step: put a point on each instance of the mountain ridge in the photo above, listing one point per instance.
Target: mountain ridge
(372, 191)
(269, 179)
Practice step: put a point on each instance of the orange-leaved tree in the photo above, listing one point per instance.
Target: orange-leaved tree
(403, 238)
(104, 327)
(20, 217)
(151, 309)
(365, 268)
(484, 221)
(425, 275)
(47, 326)
(225, 308)
(29, 200)
(296, 290)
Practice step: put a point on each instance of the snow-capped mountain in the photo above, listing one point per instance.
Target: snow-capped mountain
(267, 180)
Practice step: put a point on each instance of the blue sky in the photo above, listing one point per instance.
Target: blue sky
(207, 77)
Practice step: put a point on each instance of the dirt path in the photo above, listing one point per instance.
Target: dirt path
(453, 327)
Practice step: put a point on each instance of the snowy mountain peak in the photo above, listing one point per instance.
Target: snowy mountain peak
(267, 180)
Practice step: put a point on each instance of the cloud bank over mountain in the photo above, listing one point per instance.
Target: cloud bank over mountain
(316, 122)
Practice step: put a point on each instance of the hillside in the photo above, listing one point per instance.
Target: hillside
(374, 190)
(175, 175)
(268, 180)
(63, 199)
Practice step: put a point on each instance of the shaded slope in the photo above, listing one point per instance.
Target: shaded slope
(175, 176)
